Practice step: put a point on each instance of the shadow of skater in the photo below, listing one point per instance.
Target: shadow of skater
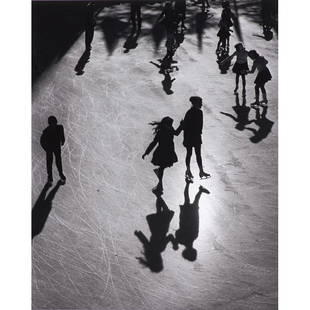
(131, 42)
(159, 223)
(79, 68)
(166, 68)
(264, 126)
(242, 114)
(90, 23)
(189, 223)
(42, 208)
(164, 155)
(51, 140)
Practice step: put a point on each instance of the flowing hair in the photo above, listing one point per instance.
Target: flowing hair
(157, 126)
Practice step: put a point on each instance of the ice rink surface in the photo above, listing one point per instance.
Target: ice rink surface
(87, 255)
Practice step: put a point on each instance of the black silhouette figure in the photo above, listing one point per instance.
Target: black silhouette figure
(164, 155)
(166, 68)
(52, 139)
(225, 23)
(90, 23)
(240, 67)
(242, 114)
(192, 127)
(180, 12)
(132, 41)
(264, 126)
(263, 76)
(79, 68)
(189, 223)
(200, 19)
(223, 60)
(266, 13)
(135, 15)
(42, 208)
(159, 223)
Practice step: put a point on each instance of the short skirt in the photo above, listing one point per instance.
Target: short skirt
(240, 68)
(164, 158)
(263, 77)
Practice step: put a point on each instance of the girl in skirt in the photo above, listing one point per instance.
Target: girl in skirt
(241, 65)
(263, 76)
(164, 155)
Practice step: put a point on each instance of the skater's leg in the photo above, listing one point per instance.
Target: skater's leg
(243, 83)
(262, 87)
(198, 195)
(199, 162)
(256, 93)
(49, 163)
(237, 82)
(89, 35)
(188, 161)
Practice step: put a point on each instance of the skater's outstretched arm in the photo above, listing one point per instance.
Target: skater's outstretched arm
(253, 68)
(179, 129)
(231, 116)
(227, 59)
(151, 146)
(62, 135)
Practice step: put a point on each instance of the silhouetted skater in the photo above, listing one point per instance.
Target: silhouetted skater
(180, 12)
(42, 208)
(222, 55)
(264, 126)
(189, 223)
(164, 155)
(263, 76)
(135, 15)
(90, 23)
(242, 114)
(240, 67)
(131, 42)
(192, 127)
(225, 23)
(52, 139)
(159, 223)
(266, 13)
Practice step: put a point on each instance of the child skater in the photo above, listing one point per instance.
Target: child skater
(263, 76)
(164, 155)
(241, 65)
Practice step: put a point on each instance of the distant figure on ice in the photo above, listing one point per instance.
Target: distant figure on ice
(240, 67)
(266, 12)
(242, 114)
(159, 223)
(264, 126)
(135, 15)
(164, 155)
(90, 23)
(189, 223)
(51, 141)
(263, 76)
(192, 127)
(180, 12)
(225, 23)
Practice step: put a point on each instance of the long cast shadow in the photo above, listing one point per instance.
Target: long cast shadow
(242, 114)
(84, 59)
(264, 126)
(189, 223)
(159, 223)
(42, 208)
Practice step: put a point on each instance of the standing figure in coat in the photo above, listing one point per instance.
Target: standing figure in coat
(52, 139)
(192, 127)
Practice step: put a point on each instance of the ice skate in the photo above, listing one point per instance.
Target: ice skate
(188, 175)
(62, 177)
(255, 105)
(204, 175)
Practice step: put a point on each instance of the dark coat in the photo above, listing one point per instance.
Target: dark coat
(192, 127)
(52, 137)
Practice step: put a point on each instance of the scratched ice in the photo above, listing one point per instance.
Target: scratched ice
(86, 255)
